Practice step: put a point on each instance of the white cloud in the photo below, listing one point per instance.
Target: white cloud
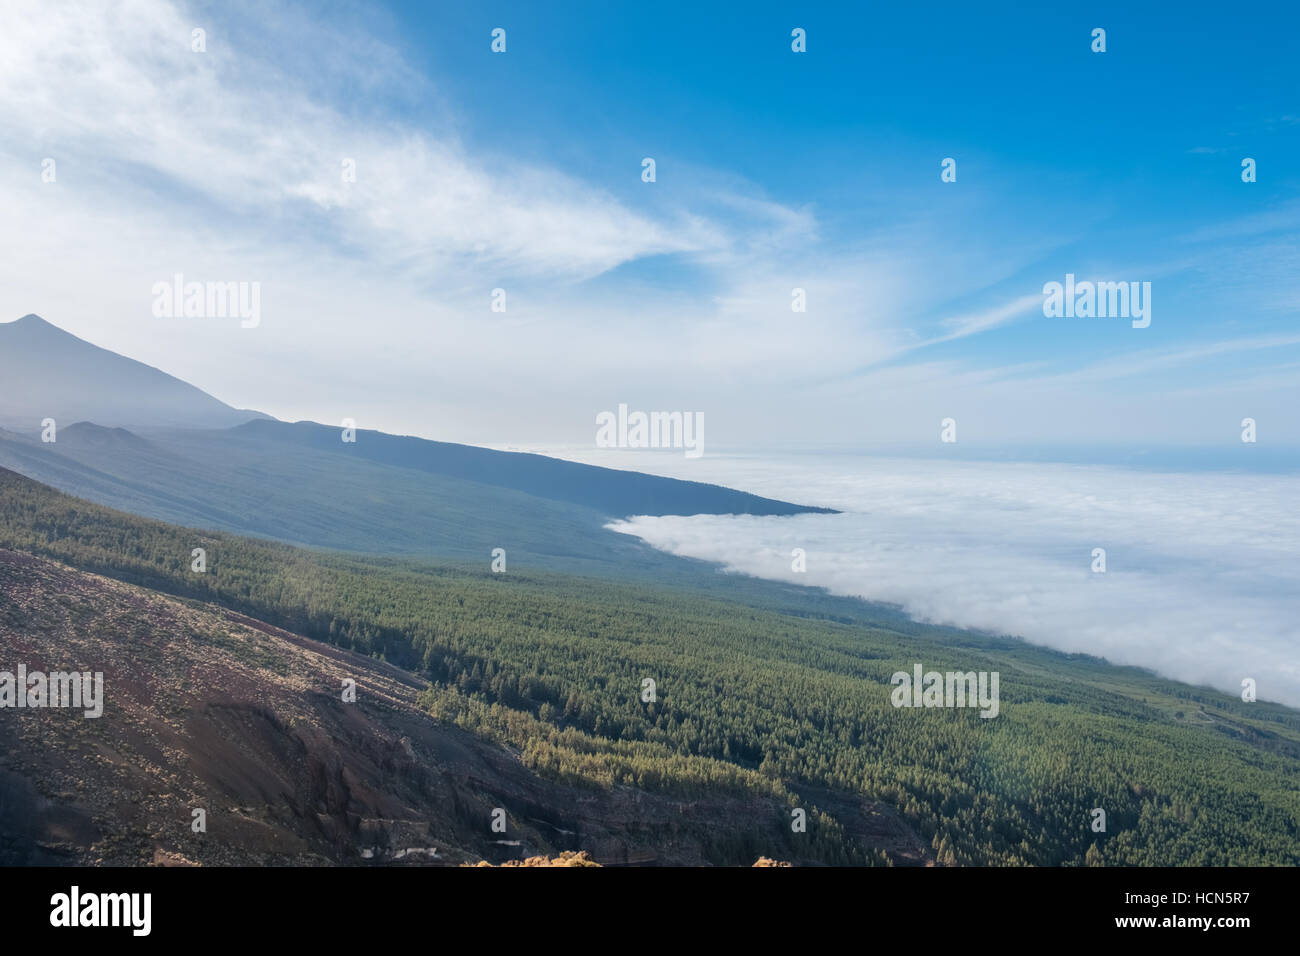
(1203, 578)
(117, 92)
(960, 326)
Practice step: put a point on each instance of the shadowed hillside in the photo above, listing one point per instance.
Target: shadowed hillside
(606, 490)
(384, 495)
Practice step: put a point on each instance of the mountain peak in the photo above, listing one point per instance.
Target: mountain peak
(32, 324)
(89, 431)
(48, 372)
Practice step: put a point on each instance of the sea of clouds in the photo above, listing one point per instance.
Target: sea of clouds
(1203, 568)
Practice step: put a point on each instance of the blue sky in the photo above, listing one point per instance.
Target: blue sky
(774, 170)
(1084, 158)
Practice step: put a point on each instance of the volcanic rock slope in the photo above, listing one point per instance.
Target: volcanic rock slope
(208, 709)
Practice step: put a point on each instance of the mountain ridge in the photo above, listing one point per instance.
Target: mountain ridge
(540, 475)
(301, 483)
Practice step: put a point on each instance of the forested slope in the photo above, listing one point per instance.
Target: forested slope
(749, 699)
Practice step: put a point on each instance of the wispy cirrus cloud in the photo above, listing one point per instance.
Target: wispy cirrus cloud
(960, 326)
(229, 129)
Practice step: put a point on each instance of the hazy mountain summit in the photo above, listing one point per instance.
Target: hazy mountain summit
(46, 372)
